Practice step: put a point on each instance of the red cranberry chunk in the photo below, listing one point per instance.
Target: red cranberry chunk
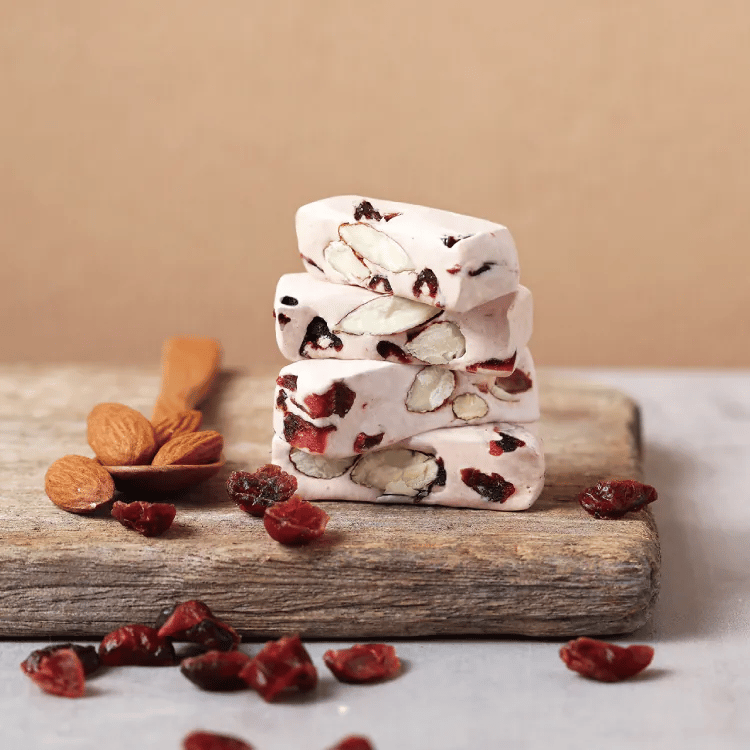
(354, 742)
(216, 670)
(482, 269)
(493, 487)
(613, 498)
(379, 280)
(295, 522)
(87, 654)
(454, 270)
(279, 666)
(367, 662)
(211, 741)
(388, 349)
(287, 381)
(289, 301)
(283, 319)
(193, 621)
(450, 241)
(305, 435)
(338, 399)
(506, 444)
(136, 645)
(500, 365)
(59, 673)
(365, 210)
(604, 661)
(256, 491)
(318, 336)
(365, 442)
(149, 519)
(517, 382)
(426, 278)
(281, 400)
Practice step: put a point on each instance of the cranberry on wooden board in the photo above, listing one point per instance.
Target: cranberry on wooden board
(256, 491)
(281, 665)
(216, 670)
(149, 519)
(604, 661)
(137, 646)
(354, 742)
(59, 673)
(87, 654)
(295, 521)
(193, 621)
(211, 741)
(364, 662)
(613, 498)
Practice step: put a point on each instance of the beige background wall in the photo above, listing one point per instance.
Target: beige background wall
(152, 155)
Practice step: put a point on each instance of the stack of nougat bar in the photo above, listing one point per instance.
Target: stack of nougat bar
(411, 379)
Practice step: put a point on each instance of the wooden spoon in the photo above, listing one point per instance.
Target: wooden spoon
(188, 369)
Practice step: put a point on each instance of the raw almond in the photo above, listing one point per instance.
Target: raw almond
(120, 436)
(192, 448)
(78, 484)
(177, 424)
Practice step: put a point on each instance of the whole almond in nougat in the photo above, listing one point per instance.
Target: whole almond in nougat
(191, 449)
(78, 484)
(120, 436)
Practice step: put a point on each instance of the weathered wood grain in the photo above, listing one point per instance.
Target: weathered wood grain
(380, 570)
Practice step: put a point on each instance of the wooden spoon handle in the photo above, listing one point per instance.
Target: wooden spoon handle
(188, 369)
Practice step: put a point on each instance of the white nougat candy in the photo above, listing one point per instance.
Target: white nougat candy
(436, 257)
(496, 466)
(338, 408)
(319, 320)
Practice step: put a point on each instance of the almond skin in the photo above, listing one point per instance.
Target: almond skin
(190, 449)
(177, 424)
(120, 436)
(78, 484)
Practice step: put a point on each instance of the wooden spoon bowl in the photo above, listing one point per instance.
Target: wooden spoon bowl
(162, 478)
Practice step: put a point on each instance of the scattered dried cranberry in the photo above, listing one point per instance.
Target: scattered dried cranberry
(501, 365)
(216, 670)
(377, 280)
(256, 491)
(365, 442)
(506, 444)
(295, 522)
(194, 622)
(613, 498)
(354, 743)
(149, 519)
(87, 654)
(338, 399)
(366, 662)
(281, 665)
(287, 381)
(212, 741)
(318, 336)
(517, 382)
(604, 661)
(482, 269)
(305, 435)
(136, 645)
(388, 349)
(59, 673)
(281, 400)
(365, 210)
(426, 277)
(493, 487)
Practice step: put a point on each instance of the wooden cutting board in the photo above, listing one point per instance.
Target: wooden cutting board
(379, 571)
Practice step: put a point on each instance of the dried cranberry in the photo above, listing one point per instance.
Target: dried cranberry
(281, 400)
(305, 435)
(506, 444)
(388, 217)
(504, 365)
(517, 382)
(354, 743)
(605, 661)
(318, 336)
(613, 498)
(149, 519)
(365, 210)
(194, 622)
(281, 665)
(87, 654)
(290, 301)
(136, 645)
(283, 319)
(365, 442)
(366, 662)
(256, 491)
(338, 399)
(295, 522)
(211, 741)
(482, 269)
(450, 241)
(216, 670)
(426, 277)
(287, 381)
(388, 349)
(382, 281)
(454, 270)
(58, 673)
(493, 487)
